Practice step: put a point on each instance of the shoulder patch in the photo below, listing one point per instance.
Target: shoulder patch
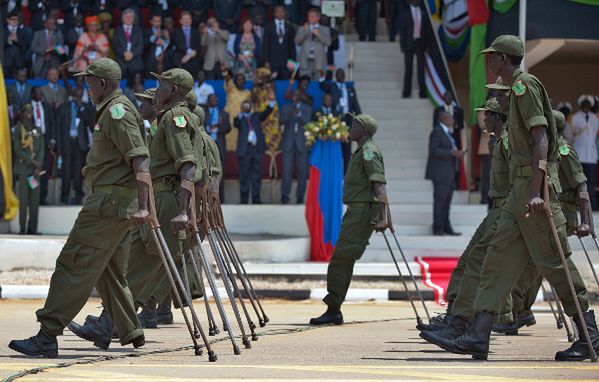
(368, 154)
(564, 150)
(519, 88)
(180, 121)
(506, 144)
(117, 111)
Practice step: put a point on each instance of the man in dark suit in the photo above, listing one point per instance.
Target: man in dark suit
(457, 113)
(128, 44)
(43, 46)
(72, 9)
(155, 46)
(74, 126)
(40, 10)
(227, 13)
(44, 119)
(251, 146)
(187, 42)
(278, 45)
(415, 34)
(293, 144)
(20, 90)
(366, 17)
(54, 94)
(218, 126)
(16, 43)
(95, 7)
(442, 168)
(326, 107)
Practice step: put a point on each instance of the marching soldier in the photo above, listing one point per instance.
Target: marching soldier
(365, 195)
(97, 249)
(28, 144)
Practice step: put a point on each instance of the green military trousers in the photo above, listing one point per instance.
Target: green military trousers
(525, 291)
(357, 226)
(518, 239)
(95, 254)
(28, 198)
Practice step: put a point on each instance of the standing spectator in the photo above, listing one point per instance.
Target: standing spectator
(247, 47)
(198, 9)
(135, 6)
(72, 9)
(326, 108)
(74, 32)
(218, 126)
(395, 9)
(28, 146)
(313, 40)
(54, 94)
(250, 149)
(187, 45)
(74, 124)
(40, 10)
(278, 45)
(566, 109)
(91, 45)
(214, 40)
(456, 112)
(13, 111)
(43, 118)
(16, 43)
(202, 89)
(20, 90)
(414, 33)
(260, 99)
(128, 45)
(227, 13)
(133, 82)
(8, 7)
(441, 168)
(301, 90)
(105, 19)
(366, 19)
(236, 94)
(326, 21)
(43, 46)
(258, 9)
(293, 144)
(100, 6)
(293, 10)
(585, 126)
(156, 42)
(162, 7)
(258, 22)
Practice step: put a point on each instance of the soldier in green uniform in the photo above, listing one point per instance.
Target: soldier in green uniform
(28, 147)
(97, 249)
(523, 231)
(365, 195)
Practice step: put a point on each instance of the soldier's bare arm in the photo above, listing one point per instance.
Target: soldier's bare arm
(187, 174)
(539, 134)
(141, 166)
(381, 193)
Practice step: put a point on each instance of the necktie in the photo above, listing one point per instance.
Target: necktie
(128, 33)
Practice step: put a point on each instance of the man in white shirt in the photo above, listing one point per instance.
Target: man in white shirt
(202, 89)
(585, 126)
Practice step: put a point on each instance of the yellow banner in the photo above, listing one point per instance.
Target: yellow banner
(10, 200)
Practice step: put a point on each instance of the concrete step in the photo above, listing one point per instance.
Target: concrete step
(374, 94)
(369, 84)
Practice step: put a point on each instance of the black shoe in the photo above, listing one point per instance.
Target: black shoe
(438, 233)
(579, 351)
(89, 319)
(33, 233)
(147, 317)
(331, 316)
(137, 342)
(525, 320)
(456, 328)
(451, 232)
(432, 327)
(405, 95)
(284, 201)
(509, 329)
(40, 345)
(164, 315)
(98, 332)
(422, 95)
(476, 339)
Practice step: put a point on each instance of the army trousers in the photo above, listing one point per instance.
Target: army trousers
(357, 226)
(28, 199)
(95, 254)
(525, 291)
(519, 239)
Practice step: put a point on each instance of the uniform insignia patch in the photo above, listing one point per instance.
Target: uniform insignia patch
(506, 144)
(97, 127)
(564, 150)
(368, 154)
(519, 88)
(117, 111)
(180, 121)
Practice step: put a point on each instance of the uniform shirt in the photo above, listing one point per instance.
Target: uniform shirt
(570, 172)
(198, 146)
(24, 155)
(212, 156)
(171, 147)
(365, 167)
(500, 185)
(117, 139)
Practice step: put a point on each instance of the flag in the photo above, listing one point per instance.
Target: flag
(324, 205)
(32, 182)
(11, 203)
(292, 65)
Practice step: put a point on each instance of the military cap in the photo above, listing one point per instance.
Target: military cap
(148, 94)
(491, 105)
(25, 106)
(498, 85)
(560, 119)
(507, 44)
(368, 123)
(191, 98)
(176, 76)
(103, 68)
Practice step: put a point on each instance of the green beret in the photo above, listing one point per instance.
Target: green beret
(368, 123)
(103, 68)
(560, 119)
(191, 98)
(491, 105)
(176, 76)
(507, 44)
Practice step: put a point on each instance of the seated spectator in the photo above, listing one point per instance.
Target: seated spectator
(40, 11)
(236, 94)
(20, 90)
(100, 6)
(163, 7)
(133, 82)
(43, 46)
(218, 126)
(43, 118)
(313, 40)
(227, 13)
(72, 10)
(16, 43)
(187, 45)
(302, 90)
(128, 44)
(247, 47)
(202, 89)
(54, 94)
(278, 46)
(74, 32)
(91, 46)
(214, 41)
(250, 149)
(156, 43)
(198, 9)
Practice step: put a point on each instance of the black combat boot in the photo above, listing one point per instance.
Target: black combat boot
(456, 328)
(40, 345)
(147, 317)
(579, 351)
(331, 316)
(439, 322)
(164, 315)
(98, 332)
(526, 319)
(508, 328)
(476, 339)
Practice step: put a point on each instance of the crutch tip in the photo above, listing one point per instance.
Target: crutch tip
(236, 350)
(247, 344)
(196, 334)
(262, 323)
(212, 356)
(198, 350)
(559, 326)
(254, 337)
(266, 319)
(211, 332)
(252, 325)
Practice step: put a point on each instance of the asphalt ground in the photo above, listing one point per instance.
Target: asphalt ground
(378, 342)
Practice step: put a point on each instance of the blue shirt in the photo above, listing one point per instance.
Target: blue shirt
(73, 128)
(446, 131)
(214, 121)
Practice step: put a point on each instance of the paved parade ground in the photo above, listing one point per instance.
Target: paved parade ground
(379, 342)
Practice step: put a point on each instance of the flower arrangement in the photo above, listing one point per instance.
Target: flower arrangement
(326, 127)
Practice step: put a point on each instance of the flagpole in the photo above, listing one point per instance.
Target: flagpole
(522, 28)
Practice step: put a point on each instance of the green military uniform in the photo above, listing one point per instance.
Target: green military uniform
(97, 249)
(28, 145)
(365, 168)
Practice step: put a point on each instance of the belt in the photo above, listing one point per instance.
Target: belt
(360, 204)
(498, 202)
(113, 189)
(166, 184)
(526, 171)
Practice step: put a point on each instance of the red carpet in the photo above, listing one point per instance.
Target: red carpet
(436, 272)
